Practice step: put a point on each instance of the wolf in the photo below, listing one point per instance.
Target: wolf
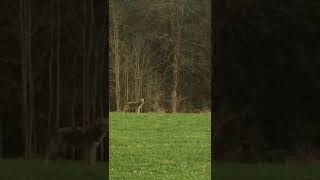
(134, 106)
(87, 139)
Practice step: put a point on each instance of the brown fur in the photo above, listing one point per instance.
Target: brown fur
(134, 106)
(85, 139)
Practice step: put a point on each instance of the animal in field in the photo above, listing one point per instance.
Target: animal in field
(134, 106)
(87, 139)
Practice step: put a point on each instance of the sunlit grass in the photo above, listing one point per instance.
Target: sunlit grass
(160, 146)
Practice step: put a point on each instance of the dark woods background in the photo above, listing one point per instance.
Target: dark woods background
(266, 79)
(53, 70)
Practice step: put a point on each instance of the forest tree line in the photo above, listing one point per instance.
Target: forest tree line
(266, 87)
(160, 51)
(53, 70)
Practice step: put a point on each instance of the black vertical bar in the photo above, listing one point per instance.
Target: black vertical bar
(105, 77)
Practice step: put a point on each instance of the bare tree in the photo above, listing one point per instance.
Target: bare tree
(47, 99)
(27, 79)
(30, 78)
(115, 15)
(58, 46)
(52, 30)
(172, 14)
(155, 57)
(176, 25)
(92, 58)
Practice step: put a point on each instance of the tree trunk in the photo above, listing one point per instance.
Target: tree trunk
(24, 74)
(50, 68)
(58, 63)
(117, 72)
(136, 76)
(176, 28)
(127, 80)
(90, 97)
(115, 48)
(84, 50)
(174, 89)
(27, 79)
(30, 78)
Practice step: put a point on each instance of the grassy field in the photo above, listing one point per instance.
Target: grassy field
(15, 169)
(156, 146)
(230, 171)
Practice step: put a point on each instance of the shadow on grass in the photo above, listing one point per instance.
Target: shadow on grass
(265, 171)
(17, 169)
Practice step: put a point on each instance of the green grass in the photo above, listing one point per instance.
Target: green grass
(160, 146)
(157, 146)
(261, 171)
(16, 169)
